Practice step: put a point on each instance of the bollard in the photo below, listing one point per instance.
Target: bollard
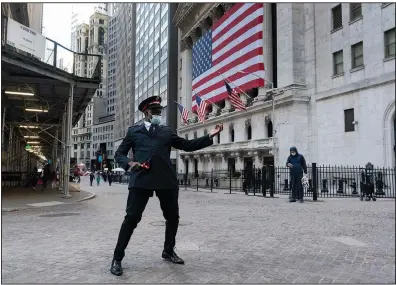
(264, 182)
(324, 185)
(211, 181)
(354, 187)
(197, 182)
(230, 180)
(272, 182)
(286, 188)
(314, 182)
(340, 186)
(254, 181)
(309, 185)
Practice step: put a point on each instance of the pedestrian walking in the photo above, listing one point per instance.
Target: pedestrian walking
(110, 177)
(34, 178)
(297, 165)
(91, 177)
(98, 179)
(152, 170)
(46, 176)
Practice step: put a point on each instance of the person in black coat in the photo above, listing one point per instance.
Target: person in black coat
(152, 170)
(298, 166)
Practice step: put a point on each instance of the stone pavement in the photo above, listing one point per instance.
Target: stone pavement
(21, 198)
(223, 239)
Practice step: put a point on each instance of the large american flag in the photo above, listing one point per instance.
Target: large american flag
(202, 106)
(235, 43)
(184, 113)
(234, 98)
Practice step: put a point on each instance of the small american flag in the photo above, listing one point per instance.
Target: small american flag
(234, 43)
(201, 110)
(234, 98)
(183, 112)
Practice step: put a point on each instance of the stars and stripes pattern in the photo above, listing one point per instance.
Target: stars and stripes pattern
(201, 108)
(234, 98)
(184, 113)
(235, 43)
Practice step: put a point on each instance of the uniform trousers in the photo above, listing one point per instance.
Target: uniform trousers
(137, 201)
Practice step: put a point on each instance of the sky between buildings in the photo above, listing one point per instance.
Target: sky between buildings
(57, 25)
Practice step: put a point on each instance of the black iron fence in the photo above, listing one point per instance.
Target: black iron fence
(324, 181)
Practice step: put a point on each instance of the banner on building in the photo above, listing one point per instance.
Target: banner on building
(25, 39)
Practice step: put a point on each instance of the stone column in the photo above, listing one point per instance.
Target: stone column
(243, 98)
(227, 106)
(267, 41)
(291, 44)
(186, 75)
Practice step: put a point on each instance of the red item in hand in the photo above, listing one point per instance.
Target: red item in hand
(145, 165)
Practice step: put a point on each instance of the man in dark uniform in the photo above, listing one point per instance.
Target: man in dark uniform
(151, 170)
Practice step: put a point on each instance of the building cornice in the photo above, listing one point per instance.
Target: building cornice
(366, 83)
(293, 94)
(182, 11)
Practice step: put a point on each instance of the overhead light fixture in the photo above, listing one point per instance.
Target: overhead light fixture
(36, 110)
(31, 137)
(33, 142)
(19, 93)
(29, 127)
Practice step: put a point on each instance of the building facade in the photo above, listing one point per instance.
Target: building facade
(111, 68)
(335, 88)
(92, 39)
(103, 143)
(125, 69)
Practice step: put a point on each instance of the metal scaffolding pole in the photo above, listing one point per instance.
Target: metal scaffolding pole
(2, 127)
(10, 148)
(62, 157)
(68, 141)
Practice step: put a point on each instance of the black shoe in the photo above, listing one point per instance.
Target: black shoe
(172, 257)
(292, 200)
(116, 268)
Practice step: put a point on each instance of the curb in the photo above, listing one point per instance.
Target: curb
(8, 210)
(87, 198)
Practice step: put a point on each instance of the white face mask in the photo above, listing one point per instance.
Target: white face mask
(156, 119)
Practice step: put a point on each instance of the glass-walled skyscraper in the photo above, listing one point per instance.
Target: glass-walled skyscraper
(151, 71)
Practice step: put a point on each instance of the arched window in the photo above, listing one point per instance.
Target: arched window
(269, 129)
(195, 134)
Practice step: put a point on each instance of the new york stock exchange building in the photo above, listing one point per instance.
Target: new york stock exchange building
(318, 76)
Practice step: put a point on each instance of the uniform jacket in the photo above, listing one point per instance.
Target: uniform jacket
(155, 148)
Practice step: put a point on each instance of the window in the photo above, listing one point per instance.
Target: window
(218, 138)
(75, 146)
(356, 11)
(232, 135)
(390, 43)
(101, 21)
(338, 63)
(249, 132)
(349, 118)
(336, 13)
(357, 55)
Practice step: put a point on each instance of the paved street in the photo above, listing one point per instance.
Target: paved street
(223, 239)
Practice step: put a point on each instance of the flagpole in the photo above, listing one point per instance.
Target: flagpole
(185, 108)
(229, 81)
(207, 100)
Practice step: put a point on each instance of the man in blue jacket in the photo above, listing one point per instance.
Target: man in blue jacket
(151, 170)
(298, 166)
